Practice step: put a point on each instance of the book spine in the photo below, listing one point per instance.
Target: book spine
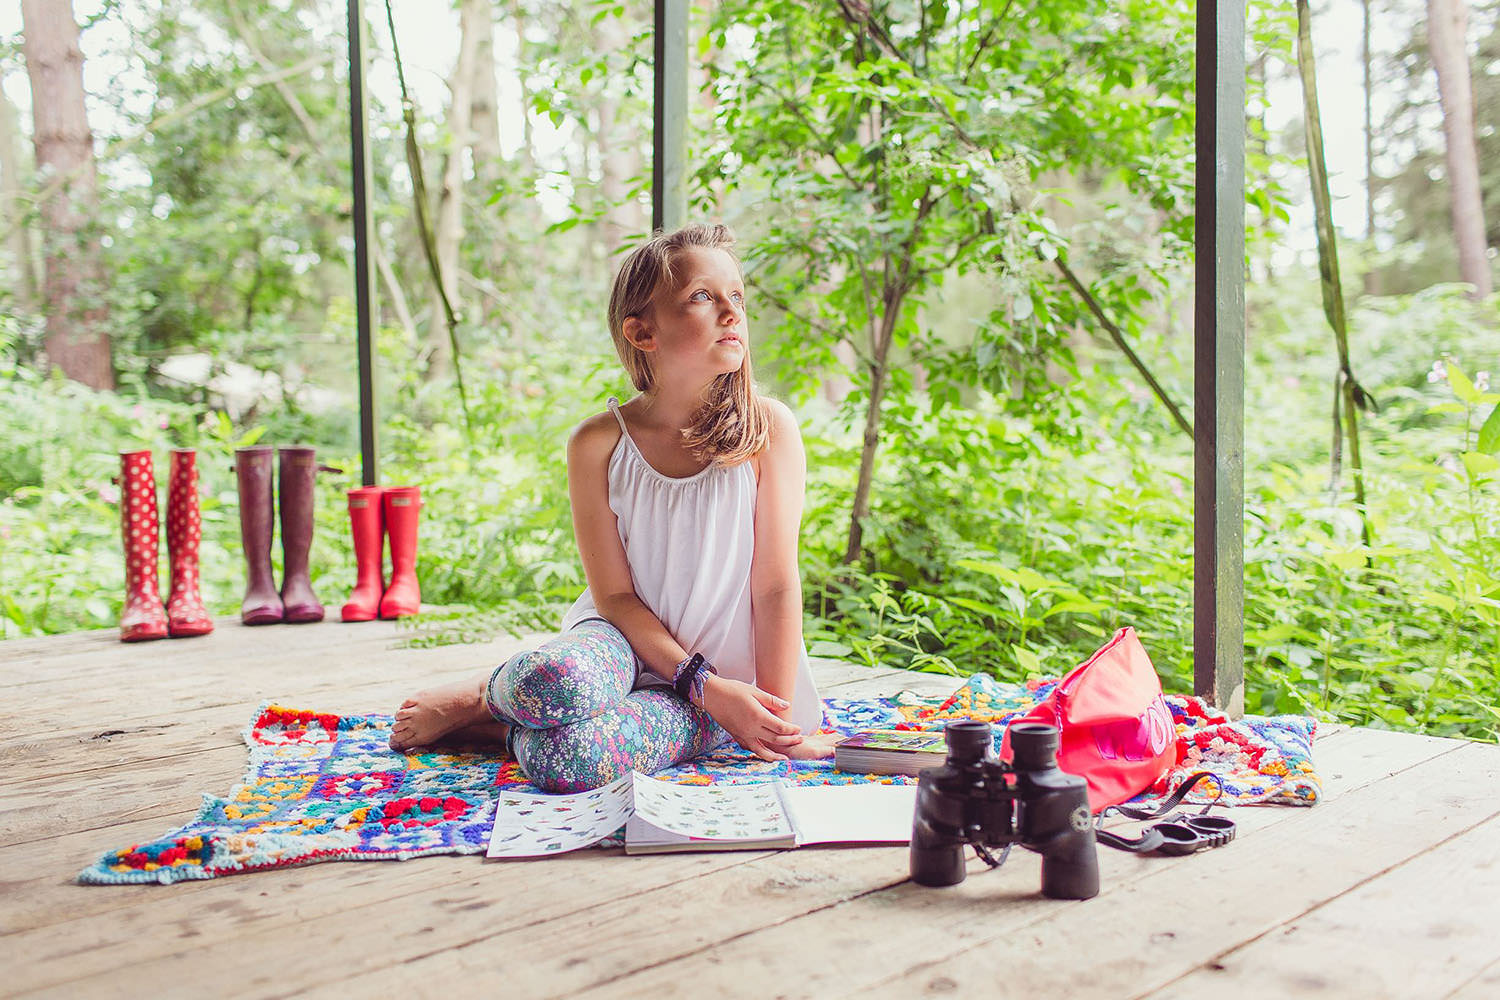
(787, 811)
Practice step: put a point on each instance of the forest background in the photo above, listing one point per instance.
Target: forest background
(954, 217)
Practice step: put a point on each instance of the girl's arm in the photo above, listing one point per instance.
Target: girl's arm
(604, 564)
(747, 713)
(775, 583)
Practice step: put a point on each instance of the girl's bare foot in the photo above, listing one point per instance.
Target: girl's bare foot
(430, 715)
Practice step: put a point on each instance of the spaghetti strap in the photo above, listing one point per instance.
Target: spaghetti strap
(614, 407)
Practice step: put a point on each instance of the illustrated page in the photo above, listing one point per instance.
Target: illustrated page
(529, 825)
(712, 812)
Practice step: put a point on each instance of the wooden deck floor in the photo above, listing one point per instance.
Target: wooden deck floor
(1390, 887)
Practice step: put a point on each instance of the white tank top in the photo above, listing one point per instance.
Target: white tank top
(689, 543)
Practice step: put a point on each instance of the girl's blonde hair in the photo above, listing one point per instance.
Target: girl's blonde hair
(733, 423)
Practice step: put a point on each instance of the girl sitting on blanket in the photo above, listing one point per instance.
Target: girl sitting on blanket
(686, 505)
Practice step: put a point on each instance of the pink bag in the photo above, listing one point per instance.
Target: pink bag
(1117, 732)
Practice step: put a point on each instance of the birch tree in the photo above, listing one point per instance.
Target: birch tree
(1447, 23)
(12, 208)
(448, 230)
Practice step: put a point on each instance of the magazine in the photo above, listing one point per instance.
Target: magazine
(661, 816)
(890, 751)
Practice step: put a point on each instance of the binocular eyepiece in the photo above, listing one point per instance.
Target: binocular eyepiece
(975, 798)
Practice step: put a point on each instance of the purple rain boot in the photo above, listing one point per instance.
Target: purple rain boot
(298, 471)
(252, 471)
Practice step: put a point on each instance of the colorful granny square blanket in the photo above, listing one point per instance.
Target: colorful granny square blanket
(323, 787)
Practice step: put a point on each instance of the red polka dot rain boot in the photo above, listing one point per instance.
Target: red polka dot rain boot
(367, 523)
(297, 475)
(252, 470)
(185, 612)
(401, 505)
(143, 617)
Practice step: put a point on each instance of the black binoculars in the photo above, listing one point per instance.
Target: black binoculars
(974, 798)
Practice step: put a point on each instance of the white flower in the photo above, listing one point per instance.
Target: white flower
(1439, 372)
(1482, 381)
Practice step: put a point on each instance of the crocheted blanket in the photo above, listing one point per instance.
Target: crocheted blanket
(325, 787)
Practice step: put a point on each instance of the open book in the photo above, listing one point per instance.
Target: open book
(662, 816)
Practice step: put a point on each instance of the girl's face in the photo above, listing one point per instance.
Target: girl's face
(695, 328)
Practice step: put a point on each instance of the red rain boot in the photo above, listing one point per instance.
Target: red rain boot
(143, 617)
(367, 523)
(403, 596)
(185, 613)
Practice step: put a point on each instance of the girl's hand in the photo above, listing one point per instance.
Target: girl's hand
(817, 746)
(749, 715)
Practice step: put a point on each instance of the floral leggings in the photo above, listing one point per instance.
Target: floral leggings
(575, 722)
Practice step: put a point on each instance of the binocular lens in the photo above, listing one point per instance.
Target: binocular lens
(968, 740)
(1034, 745)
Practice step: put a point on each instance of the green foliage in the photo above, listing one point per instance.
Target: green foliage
(992, 547)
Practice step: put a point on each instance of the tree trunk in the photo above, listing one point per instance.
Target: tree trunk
(73, 287)
(528, 158)
(484, 99)
(879, 371)
(1371, 276)
(1447, 23)
(484, 130)
(13, 177)
(448, 230)
(1369, 94)
(838, 382)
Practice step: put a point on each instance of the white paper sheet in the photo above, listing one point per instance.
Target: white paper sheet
(851, 814)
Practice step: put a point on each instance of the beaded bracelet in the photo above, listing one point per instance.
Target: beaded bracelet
(690, 677)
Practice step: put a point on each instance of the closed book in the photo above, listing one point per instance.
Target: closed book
(890, 751)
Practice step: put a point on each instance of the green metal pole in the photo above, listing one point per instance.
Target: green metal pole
(364, 279)
(1219, 359)
(669, 116)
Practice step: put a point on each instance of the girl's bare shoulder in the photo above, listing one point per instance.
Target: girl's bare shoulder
(594, 438)
(785, 446)
(783, 420)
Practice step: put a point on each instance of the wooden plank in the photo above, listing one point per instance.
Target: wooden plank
(166, 788)
(288, 930)
(105, 653)
(1424, 928)
(203, 662)
(60, 644)
(1146, 934)
(74, 750)
(1484, 986)
(161, 694)
(871, 868)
